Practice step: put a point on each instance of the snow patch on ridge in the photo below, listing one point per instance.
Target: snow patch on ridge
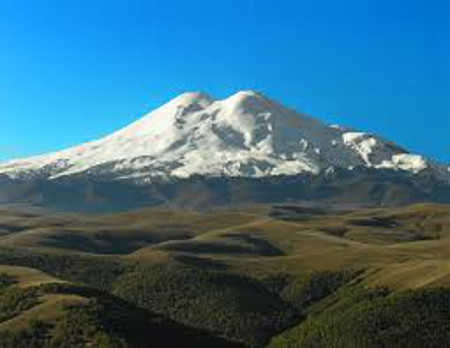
(362, 143)
(408, 162)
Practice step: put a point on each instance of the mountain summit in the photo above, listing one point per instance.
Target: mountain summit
(244, 135)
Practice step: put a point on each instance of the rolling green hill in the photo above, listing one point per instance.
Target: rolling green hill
(283, 276)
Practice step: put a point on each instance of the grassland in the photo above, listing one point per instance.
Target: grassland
(283, 275)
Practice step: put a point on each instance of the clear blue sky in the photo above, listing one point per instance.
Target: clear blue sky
(71, 71)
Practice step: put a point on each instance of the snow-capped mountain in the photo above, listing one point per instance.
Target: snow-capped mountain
(245, 135)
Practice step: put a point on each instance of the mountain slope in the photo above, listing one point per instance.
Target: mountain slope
(245, 135)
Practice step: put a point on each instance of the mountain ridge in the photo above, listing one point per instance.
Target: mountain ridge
(244, 135)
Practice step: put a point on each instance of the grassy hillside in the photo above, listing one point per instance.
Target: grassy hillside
(359, 317)
(230, 306)
(285, 275)
(63, 314)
